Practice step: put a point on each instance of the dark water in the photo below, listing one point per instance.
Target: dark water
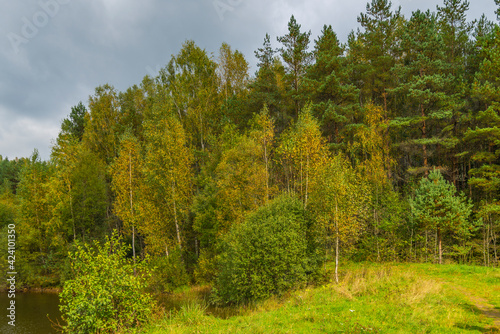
(31, 313)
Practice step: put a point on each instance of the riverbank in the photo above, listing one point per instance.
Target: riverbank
(396, 298)
(53, 290)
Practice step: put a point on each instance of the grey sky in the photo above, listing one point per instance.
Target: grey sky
(53, 53)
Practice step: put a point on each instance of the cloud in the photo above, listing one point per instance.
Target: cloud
(19, 135)
(79, 45)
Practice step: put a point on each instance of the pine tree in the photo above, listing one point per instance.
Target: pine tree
(424, 80)
(436, 206)
(265, 89)
(334, 97)
(296, 58)
(485, 138)
(455, 31)
(75, 124)
(374, 51)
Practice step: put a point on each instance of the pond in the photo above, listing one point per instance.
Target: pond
(31, 313)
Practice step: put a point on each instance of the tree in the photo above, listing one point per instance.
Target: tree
(374, 51)
(423, 82)
(269, 253)
(232, 70)
(10, 171)
(89, 195)
(301, 151)
(190, 79)
(64, 156)
(374, 164)
(297, 59)
(437, 206)
(338, 199)
(127, 173)
(39, 237)
(334, 97)
(241, 180)
(168, 176)
(266, 89)
(455, 32)
(101, 131)
(132, 108)
(75, 124)
(263, 134)
(485, 138)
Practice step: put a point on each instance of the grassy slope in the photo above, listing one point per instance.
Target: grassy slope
(402, 298)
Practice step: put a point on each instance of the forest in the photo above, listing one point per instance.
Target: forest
(385, 148)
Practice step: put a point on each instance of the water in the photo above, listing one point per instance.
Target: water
(31, 313)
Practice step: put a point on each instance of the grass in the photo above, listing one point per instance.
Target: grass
(370, 298)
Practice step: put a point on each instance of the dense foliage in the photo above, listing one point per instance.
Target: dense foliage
(184, 163)
(269, 253)
(104, 295)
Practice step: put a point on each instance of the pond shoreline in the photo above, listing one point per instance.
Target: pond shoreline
(54, 290)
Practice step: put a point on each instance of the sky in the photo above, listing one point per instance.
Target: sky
(54, 53)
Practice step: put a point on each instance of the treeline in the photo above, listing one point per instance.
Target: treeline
(176, 162)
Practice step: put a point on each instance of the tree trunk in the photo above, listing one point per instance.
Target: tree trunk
(71, 208)
(424, 136)
(484, 246)
(267, 171)
(177, 229)
(488, 227)
(133, 247)
(494, 239)
(426, 246)
(336, 243)
(131, 194)
(439, 246)
(411, 246)
(307, 181)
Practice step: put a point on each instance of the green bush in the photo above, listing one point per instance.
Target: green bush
(104, 295)
(206, 269)
(168, 274)
(271, 252)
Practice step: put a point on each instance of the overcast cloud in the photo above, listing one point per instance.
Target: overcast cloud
(53, 53)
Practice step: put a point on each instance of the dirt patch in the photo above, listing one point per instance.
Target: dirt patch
(483, 305)
(487, 309)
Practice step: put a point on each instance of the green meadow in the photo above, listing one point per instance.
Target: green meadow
(369, 298)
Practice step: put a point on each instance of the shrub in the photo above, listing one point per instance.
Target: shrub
(169, 273)
(104, 295)
(269, 253)
(206, 269)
